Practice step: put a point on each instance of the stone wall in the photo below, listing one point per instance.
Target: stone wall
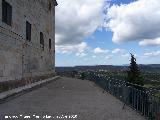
(20, 58)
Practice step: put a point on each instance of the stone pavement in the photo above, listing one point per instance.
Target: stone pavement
(66, 99)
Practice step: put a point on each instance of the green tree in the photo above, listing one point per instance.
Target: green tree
(83, 75)
(134, 74)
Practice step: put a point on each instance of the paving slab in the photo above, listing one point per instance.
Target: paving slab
(67, 99)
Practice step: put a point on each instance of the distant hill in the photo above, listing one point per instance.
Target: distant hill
(149, 67)
(97, 67)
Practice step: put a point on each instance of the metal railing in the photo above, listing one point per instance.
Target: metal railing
(139, 98)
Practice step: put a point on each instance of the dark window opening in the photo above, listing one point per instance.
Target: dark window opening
(6, 13)
(42, 39)
(50, 44)
(28, 31)
(50, 5)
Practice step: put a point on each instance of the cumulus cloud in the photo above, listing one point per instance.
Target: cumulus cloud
(125, 55)
(93, 56)
(118, 51)
(79, 48)
(108, 57)
(121, 52)
(81, 54)
(138, 20)
(152, 54)
(76, 19)
(100, 50)
(154, 42)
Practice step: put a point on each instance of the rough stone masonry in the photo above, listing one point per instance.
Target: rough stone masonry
(27, 38)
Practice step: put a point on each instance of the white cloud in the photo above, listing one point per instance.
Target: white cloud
(77, 19)
(93, 56)
(99, 50)
(154, 42)
(109, 57)
(118, 51)
(80, 48)
(152, 54)
(81, 54)
(138, 20)
(126, 55)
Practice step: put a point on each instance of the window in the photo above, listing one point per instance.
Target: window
(6, 13)
(28, 31)
(50, 44)
(42, 39)
(50, 5)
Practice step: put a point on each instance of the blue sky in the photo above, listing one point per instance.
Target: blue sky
(90, 39)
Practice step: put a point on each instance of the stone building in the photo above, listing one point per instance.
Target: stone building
(27, 39)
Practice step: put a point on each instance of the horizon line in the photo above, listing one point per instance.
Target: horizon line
(106, 65)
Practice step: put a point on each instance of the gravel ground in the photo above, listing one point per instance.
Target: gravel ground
(66, 99)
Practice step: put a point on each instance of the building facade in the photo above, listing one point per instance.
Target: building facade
(27, 39)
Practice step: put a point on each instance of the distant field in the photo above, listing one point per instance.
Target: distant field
(151, 79)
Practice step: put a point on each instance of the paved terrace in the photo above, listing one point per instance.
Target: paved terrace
(67, 96)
